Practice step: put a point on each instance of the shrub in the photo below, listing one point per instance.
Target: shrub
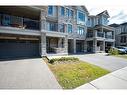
(113, 51)
(63, 59)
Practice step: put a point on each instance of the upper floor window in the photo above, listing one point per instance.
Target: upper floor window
(62, 11)
(123, 39)
(69, 28)
(80, 31)
(52, 26)
(50, 10)
(81, 16)
(67, 12)
(61, 26)
(71, 13)
(105, 21)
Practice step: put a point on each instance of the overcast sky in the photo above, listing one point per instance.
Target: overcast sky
(117, 9)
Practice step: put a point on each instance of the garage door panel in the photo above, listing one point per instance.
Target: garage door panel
(19, 49)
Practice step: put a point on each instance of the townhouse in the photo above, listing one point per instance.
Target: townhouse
(100, 36)
(120, 34)
(33, 31)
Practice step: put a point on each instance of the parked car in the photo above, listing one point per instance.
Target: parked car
(122, 47)
(121, 50)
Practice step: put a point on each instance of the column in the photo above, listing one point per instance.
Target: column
(85, 46)
(95, 45)
(43, 44)
(66, 44)
(103, 32)
(104, 46)
(60, 42)
(42, 20)
(74, 45)
(95, 33)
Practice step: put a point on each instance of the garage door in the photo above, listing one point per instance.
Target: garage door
(18, 49)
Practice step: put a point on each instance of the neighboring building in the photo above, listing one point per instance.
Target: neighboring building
(100, 36)
(120, 34)
(30, 31)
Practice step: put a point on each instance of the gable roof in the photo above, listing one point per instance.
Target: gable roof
(114, 25)
(83, 7)
(104, 13)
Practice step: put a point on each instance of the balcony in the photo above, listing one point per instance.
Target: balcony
(90, 34)
(19, 22)
(108, 36)
(100, 34)
(55, 27)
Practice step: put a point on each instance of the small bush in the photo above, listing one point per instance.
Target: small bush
(63, 59)
(113, 51)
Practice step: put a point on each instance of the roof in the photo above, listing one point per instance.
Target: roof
(104, 13)
(125, 23)
(114, 25)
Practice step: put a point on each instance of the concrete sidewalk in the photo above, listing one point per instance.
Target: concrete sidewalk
(114, 80)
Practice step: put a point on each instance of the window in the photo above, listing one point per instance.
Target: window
(71, 13)
(69, 28)
(6, 20)
(80, 31)
(52, 26)
(67, 12)
(61, 26)
(123, 39)
(81, 16)
(50, 10)
(62, 11)
(105, 20)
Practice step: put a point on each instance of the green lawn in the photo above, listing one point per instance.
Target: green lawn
(76, 74)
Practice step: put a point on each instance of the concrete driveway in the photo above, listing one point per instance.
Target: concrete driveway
(27, 73)
(110, 63)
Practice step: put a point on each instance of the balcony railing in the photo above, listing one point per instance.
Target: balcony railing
(100, 34)
(51, 26)
(109, 36)
(19, 22)
(89, 35)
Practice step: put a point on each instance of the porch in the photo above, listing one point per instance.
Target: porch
(97, 46)
(76, 46)
(56, 45)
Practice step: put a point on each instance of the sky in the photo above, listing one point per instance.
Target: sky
(117, 9)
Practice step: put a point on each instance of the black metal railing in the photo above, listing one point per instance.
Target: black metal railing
(19, 22)
(51, 26)
(109, 36)
(89, 34)
(100, 34)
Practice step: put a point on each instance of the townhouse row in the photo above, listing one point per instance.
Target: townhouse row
(32, 31)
